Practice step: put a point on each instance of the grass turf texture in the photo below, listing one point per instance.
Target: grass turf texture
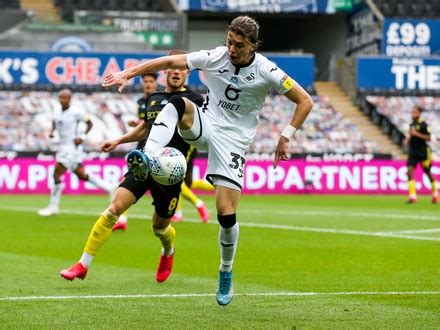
(321, 244)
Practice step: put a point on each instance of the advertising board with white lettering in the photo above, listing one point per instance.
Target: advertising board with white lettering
(264, 6)
(398, 73)
(42, 68)
(411, 37)
(32, 176)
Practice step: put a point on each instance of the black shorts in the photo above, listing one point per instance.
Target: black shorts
(165, 198)
(423, 157)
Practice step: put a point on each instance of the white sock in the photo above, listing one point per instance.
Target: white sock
(100, 183)
(228, 238)
(55, 194)
(163, 129)
(167, 253)
(199, 203)
(86, 259)
(123, 218)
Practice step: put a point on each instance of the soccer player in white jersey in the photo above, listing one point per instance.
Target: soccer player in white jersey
(70, 151)
(238, 79)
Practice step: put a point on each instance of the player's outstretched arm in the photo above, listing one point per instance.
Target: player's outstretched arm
(121, 78)
(304, 105)
(136, 134)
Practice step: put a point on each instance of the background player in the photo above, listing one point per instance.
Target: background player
(149, 86)
(419, 152)
(238, 80)
(187, 193)
(70, 151)
(165, 198)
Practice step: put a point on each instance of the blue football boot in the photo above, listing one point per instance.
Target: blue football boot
(224, 292)
(139, 164)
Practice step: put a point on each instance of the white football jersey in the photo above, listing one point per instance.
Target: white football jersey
(236, 94)
(67, 125)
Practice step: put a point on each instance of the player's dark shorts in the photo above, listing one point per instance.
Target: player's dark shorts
(165, 198)
(422, 156)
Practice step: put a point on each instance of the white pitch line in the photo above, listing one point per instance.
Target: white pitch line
(383, 216)
(250, 294)
(413, 231)
(253, 225)
(394, 216)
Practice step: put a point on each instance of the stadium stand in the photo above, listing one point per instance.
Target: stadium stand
(9, 4)
(67, 7)
(396, 110)
(325, 130)
(409, 9)
(26, 121)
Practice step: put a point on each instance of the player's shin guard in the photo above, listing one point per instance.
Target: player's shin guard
(202, 185)
(167, 236)
(164, 126)
(412, 189)
(228, 238)
(100, 232)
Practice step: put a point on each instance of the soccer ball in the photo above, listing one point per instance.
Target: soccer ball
(168, 166)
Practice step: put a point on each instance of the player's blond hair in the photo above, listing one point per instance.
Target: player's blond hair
(247, 27)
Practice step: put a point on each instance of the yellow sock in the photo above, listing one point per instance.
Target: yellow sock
(412, 189)
(202, 185)
(100, 232)
(167, 237)
(188, 194)
(434, 188)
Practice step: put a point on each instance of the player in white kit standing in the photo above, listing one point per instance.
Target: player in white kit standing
(70, 151)
(238, 79)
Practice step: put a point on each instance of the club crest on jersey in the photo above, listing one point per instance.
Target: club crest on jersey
(249, 78)
(234, 80)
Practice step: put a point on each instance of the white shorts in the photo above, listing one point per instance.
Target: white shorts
(70, 158)
(225, 160)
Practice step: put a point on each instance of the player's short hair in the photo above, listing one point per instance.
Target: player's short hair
(150, 74)
(247, 27)
(419, 108)
(176, 52)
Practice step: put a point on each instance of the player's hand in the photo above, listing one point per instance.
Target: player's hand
(118, 78)
(77, 141)
(108, 145)
(406, 140)
(133, 123)
(281, 151)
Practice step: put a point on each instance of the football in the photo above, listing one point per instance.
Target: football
(168, 166)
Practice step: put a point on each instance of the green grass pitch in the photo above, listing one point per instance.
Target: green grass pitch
(302, 262)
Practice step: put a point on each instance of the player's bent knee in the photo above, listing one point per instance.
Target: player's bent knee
(179, 104)
(227, 221)
(117, 207)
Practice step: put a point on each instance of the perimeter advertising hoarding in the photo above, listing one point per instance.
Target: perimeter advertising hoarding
(411, 37)
(32, 176)
(398, 73)
(43, 68)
